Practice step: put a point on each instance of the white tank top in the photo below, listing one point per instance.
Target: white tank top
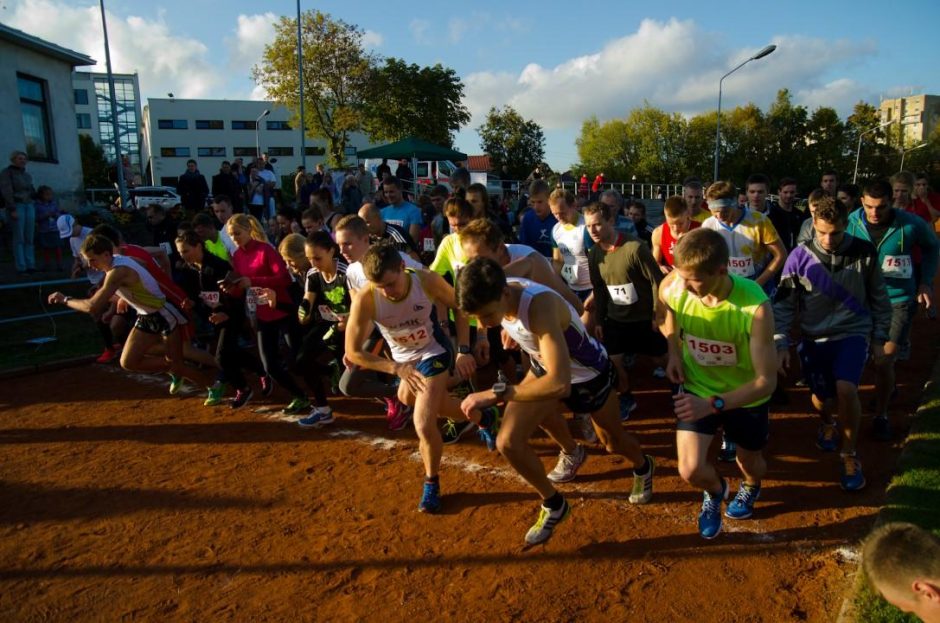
(144, 296)
(588, 357)
(407, 325)
(571, 243)
(356, 276)
(519, 251)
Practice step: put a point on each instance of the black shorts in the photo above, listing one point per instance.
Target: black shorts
(632, 338)
(589, 396)
(162, 322)
(749, 427)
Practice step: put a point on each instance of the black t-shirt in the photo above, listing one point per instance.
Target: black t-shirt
(397, 237)
(332, 298)
(199, 284)
(787, 223)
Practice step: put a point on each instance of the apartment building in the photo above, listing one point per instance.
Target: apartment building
(918, 116)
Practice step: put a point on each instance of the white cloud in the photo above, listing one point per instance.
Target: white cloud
(372, 39)
(841, 94)
(420, 31)
(252, 33)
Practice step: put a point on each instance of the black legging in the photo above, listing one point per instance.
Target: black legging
(232, 358)
(317, 358)
(269, 346)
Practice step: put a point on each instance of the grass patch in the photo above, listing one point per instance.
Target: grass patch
(913, 495)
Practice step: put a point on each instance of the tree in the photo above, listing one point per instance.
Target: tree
(605, 147)
(786, 135)
(94, 164)
(408, 100)
(875, 155)
(510, 140)
(336, 74)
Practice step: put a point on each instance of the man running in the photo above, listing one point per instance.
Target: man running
(719, 328)
(678, 222)
(568, 365)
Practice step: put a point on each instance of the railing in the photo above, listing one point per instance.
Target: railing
(40, 285)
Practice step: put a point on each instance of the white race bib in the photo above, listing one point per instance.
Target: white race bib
(167, 248)
(898, 266)
(569, 273)
(252, 299)
(741, 266)
(711, 352)
(327, 314)
(414, 338)
(211, 299)
(624, 294)
(429, 244)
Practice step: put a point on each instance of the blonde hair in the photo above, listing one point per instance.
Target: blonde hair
(721, 190)
(896, 554)
(701, 249)
(292, 247)
(246, 221)
(561, 195)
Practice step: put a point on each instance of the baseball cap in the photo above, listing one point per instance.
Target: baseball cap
(65, 224)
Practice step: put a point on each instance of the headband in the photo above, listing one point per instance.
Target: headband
(717, 204)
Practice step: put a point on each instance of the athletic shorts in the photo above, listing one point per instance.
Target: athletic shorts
(162, 322)
(583, 294)
(824, 363)
(749, 427)
(902, 316)
(588, 396)
(438, 364)
(632, 338)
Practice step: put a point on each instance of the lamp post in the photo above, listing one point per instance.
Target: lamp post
(300, 80)
(632, 185)
(764, 52)
(858, 152)
(906, 151)
(258, 132)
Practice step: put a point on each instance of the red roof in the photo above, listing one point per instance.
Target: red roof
(478, 163)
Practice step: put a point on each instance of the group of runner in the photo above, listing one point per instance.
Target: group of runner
(715, 301)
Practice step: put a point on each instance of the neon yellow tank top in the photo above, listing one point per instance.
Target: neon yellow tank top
(715, 341)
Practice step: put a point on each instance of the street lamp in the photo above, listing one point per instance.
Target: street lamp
(858, 152)
(904, 152)
(764, 52)
(258, 132)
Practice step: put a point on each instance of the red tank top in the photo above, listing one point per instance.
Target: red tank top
(667, 243)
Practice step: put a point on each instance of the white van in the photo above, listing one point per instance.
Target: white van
(428, 173)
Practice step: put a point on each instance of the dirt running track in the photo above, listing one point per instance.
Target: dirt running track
(118, 502)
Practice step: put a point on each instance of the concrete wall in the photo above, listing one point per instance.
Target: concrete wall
(64, 173)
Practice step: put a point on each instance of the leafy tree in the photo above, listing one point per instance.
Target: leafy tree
(336, 74)
(825, 147)
(605, 147)
(510, 140)
(94, 164)
(408, 100)
(786, 135)
(873, 152)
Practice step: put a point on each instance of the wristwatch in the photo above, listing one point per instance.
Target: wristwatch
(718, 404)
(499, 389)
(463, 350)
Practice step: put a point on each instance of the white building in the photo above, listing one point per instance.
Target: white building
(93, 113)
(37, 110)
(919, 116)
(211, 131)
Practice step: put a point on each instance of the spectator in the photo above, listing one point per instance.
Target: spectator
(260, 191)
(365, 181)
(351, 197)
(323, 199)
(47, 213)
(193, 191)
(407, 178)
(460, 178)
(383, 170)
(598, 186)
(16, 190)
(584, 187)
(225, 182)
(300, 178)
(318, 177)
(330, 185)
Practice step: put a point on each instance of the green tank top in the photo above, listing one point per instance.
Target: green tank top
(715, 341)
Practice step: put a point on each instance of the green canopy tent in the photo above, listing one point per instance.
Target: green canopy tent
(413, 149)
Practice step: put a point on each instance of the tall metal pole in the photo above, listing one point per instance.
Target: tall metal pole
(122, 185)
(904, 152)
(858, 151)
(300, 80)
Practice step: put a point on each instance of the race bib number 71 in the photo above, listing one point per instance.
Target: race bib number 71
(711, 352)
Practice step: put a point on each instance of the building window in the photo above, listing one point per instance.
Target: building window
(278, 125)
(83, 121)
(174, 152)
(244, 152)
(34, 105)
(81, 97)
(315, 151)
(210, 124)
(172, 124)
(210, 152)
(280, 151)
(244, 125)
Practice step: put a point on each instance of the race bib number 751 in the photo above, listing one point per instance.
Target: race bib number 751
(711, 352)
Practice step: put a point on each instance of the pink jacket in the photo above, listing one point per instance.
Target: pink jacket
(261, 263)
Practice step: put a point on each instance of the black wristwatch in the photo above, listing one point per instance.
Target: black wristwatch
(499, 389)
(718, 404)
(463, 350)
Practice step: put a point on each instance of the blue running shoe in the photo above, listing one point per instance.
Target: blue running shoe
(852, 477)
(827, 438)
(627, 406)
(709, 520)
(319, 416)
(742, 506)
(430, 498)
(488, 434)
(729, 450)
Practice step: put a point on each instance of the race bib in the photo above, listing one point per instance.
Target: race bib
(711, 352)
(211, 299)
(569, 273)
(623, 294)
(429, 244)
(414, 338)
(741, 266)
(167, 248)
(253, 298)
(327, 314)
(898, 266)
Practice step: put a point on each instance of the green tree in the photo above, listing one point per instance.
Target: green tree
(513, 141)
(336, 73)
(408, 100)
(873, 152)
(605, 147)
(786, 136)
(94, 164)
(700, 146)
(826, 147)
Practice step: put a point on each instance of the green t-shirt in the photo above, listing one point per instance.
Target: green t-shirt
(217, 249)
(716, 341)
(448, 261)
(625, 280)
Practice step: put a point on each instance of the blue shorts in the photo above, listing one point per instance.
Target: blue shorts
(438, 364)
(824, 363)
(583, 294)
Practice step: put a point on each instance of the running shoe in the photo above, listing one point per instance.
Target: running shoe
(107, 356)
(852, 478)
(319, 416)
(881, 428)
(627, 406)
(176, 384)
(452, 431)
(729, 450)
(827, 438)
(267, 385)
(430, 498)
(568, 465)
(545, 525)
(643, 485)
(742, 506)
(709, 520)
(488, 434)
(659, 372)
(587, 427)
(242, 396)
(214, 398)
(297, 406)
(397, 415)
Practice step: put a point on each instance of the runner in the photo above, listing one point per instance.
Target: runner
(401, 302)
(719, 328)
(157, 320)
(836, 287)
(568, 365)
(677, 224)
(570, 242)
(381, 231)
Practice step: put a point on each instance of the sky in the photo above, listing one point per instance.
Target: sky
(556, 64)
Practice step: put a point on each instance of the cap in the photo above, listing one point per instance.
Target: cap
(65, 224)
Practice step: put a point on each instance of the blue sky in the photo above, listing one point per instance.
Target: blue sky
(553, 65)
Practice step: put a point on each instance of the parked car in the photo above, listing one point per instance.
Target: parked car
(144, 196)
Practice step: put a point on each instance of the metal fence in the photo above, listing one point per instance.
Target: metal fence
(40, 286)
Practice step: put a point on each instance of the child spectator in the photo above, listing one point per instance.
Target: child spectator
(47, 213)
